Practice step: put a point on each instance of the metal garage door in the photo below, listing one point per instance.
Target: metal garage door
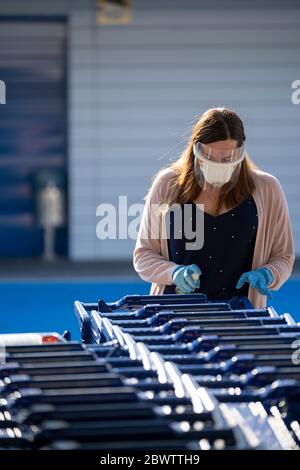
(138, 88)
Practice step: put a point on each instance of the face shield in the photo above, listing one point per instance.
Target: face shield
(217, 169)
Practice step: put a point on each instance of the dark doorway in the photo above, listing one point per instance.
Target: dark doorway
(32, 128)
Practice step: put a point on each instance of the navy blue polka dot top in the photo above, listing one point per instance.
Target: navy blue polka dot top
(227, 251)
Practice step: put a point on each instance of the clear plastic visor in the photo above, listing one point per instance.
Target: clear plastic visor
(206, 153)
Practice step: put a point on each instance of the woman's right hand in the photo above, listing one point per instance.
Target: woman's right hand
(187, 278)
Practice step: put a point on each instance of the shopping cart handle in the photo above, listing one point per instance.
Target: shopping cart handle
(135, 301)
(84, 319)
(282, 388)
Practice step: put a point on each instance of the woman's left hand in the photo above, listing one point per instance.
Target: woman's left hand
(260, 278)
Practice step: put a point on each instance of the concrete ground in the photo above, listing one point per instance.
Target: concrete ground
(65, 269)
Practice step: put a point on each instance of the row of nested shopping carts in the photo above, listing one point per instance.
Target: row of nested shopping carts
(157, 372)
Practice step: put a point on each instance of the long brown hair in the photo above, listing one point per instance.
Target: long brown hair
(214, 125)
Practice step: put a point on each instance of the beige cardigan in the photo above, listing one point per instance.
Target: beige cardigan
(274, 247)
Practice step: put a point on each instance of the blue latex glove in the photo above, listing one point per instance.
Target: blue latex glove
(260, 278)
(186, 278)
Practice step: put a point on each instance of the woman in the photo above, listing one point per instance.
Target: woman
(248, 245)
